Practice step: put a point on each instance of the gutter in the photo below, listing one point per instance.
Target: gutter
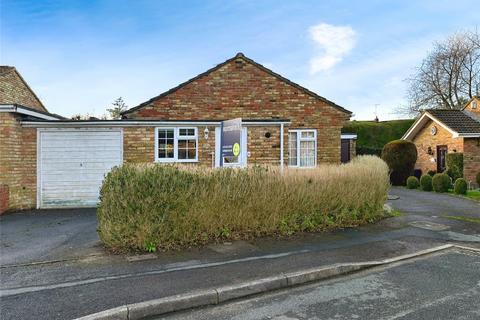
(136, 123)
(13, 108)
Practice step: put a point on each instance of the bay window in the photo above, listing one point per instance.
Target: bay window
(176, 144)
(302, 148)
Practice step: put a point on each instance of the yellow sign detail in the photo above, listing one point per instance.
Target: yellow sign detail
(236, 149)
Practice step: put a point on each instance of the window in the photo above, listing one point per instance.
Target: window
(474, 104)
(176, 144)
(302, 148)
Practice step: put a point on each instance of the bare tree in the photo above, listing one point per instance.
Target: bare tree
(448, 76)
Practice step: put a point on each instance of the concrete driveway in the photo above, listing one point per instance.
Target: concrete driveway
(44, 235)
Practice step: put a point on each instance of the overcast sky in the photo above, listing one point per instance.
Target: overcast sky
(79, 56)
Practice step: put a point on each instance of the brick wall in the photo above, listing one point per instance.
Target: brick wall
(471, 159)
(241, 89)
(139, 145)
(18, 167)
(425, 139)
(13, 90)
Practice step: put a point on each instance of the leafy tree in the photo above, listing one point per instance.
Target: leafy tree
(118, 106)
(448, 76)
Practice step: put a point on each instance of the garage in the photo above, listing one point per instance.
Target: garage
(72, 163)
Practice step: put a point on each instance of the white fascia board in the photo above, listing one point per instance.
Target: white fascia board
(133, 123)
(469, 135)
(417, 125)
(18, 109)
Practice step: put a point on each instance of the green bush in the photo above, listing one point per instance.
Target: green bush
(143, 207)
(431, 173)
(441, 182)
(454, 163)
(400, 156)
(426, 183)
(460, 186)
(412, 182)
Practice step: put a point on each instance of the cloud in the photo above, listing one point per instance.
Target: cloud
(333, 42)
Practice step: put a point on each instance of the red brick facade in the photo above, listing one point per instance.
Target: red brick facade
(18, 161)
(14, 90)
(425, 141)
(471, 159)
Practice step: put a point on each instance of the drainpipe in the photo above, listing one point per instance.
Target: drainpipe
(281, 146)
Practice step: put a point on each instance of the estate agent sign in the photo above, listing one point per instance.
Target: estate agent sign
(230, 140)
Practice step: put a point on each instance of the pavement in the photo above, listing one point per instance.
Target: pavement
(54, 267)
(440, 286)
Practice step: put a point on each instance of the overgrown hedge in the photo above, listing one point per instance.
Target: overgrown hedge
(400, 156)
(165, 207)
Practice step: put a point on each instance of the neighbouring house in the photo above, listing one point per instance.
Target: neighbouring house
(61, 163)
(438, 132)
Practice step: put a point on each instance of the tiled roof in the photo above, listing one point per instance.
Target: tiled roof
(456, 120)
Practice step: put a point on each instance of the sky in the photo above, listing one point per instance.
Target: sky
(79, 56)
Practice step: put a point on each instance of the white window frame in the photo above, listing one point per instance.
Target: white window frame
(299, 140)
(176, 138)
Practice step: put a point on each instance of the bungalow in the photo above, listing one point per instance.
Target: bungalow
(61, 163)
(438, 132)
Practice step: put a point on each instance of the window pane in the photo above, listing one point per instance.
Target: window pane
(191, 153)
(231, 160)
(165, 143)
(307, 153)
(182, 154)
(187, 132)
(187, 149)
(308, 134)
(292, 148)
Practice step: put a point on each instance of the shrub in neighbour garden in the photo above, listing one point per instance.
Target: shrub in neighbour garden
(431, 173)
(412, 182)
(454, 163)
(426, 183)
(400, 156)
(441, 182)
(460, 186)
(169, 207)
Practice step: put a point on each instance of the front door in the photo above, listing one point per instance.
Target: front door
(345, 151)
(441, 158)
(241, 160)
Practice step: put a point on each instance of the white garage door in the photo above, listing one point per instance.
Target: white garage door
(72, 164)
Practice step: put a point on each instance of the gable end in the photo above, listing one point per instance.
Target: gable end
(238, 57)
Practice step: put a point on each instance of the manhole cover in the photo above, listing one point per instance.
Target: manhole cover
(429, 225)
(392, 197)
